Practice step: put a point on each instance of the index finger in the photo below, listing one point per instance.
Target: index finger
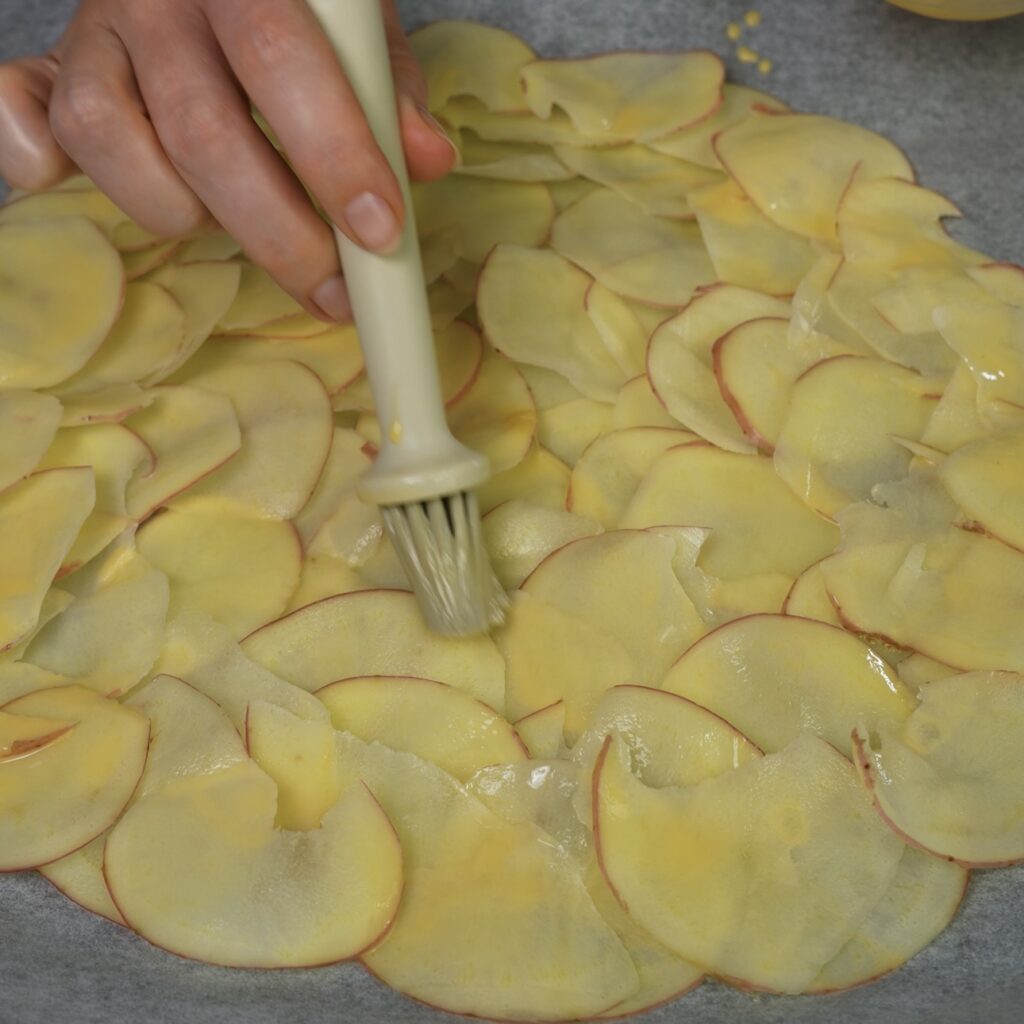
(287, 66)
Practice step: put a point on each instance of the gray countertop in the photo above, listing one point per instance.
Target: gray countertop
(953, 97)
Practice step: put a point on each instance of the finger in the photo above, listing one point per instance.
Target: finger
(429, 152)
(203, 122)
(286, 64)
(97, 116)
(30, 157)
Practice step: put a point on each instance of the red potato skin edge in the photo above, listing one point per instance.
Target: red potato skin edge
(862, 763)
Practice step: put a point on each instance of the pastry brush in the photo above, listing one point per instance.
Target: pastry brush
(422, 480)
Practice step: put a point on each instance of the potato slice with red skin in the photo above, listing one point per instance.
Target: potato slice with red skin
(432, 720)
(796, 167)
(149, 333)
(473, 933)
(760, 875)
(627, 97)
(756, 368)
(657, 183)
(949, 781)
(198, 868)
(28, 424)
(532, 306)
(698, 485)
(204, 291)
(39, 520)
(622, 585)
(57, 798)
(191, 434)
(62, 291)
(921, 900)
(552, 653)
(373, 632)
(695, 142)
(745, 247)
(298, 754)
(115, 454)
(831, 462)
(258, 301)
(21, 735)
(465, 58)
(482, 213)
(109, 637)
(808, 598)
(541, 478)
(189, 735)
(519, 535)
(986, 479)
(607, 474)
(680, 364)
(776, 676)
(893, 223)
(542, 731)
(223, 559)
(286, 424)
(657, 261)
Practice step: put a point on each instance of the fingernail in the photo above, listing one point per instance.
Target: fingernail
(436, 127)
(332, 298)
(374, 223)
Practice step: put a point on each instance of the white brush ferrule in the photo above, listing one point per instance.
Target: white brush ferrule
(418, 457)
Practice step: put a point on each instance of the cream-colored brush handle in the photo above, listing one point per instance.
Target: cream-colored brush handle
(418, 456)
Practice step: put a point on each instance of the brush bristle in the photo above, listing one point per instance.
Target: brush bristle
(440, 545)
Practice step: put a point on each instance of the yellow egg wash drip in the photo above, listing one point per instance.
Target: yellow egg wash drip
(752, 19)
(746, 55)
(733, 31)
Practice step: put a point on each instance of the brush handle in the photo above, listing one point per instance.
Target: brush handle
(418, 456)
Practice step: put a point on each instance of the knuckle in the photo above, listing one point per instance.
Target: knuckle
(83, 110)
(193, 130)
(271, 36)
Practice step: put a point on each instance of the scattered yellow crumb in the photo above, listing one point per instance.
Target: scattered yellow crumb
(746, 55)
(764, 66)
(733, 31)
(752, 18)
(395, 433)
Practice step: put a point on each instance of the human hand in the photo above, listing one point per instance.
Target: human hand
(151, 99)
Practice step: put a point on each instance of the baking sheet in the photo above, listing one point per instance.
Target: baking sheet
(951, 95)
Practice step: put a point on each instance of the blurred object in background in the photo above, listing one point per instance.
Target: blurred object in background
(963, 10)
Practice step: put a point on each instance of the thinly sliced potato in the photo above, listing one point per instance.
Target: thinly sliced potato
(745, 247)
(39, 520)
(512, 126)
(622, 585)
(115, 454)
(225, 560)
(59, 797)
(473, 932)
(465, 58)
(61, 293)
(609, 471)
(627, 97)
(921, 900)
(540, 478)
(432, 720)
(796, 167)
(191, 434)
(542, 732)
(508, 161)
(110, 636)
(775, 676)
(680, 360)
(374, 632)
(657, 183)
(83, 201)
(654, 260)
(28, 424)
(112, 405)
(986, 479)
(519, 535)
(259, 300)
(567, 430)
(188, 867)
(149, 334)
(697, 485)
(637, 406)
(532, 305)
(832, 462)
(949, 780)
(761, 874)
